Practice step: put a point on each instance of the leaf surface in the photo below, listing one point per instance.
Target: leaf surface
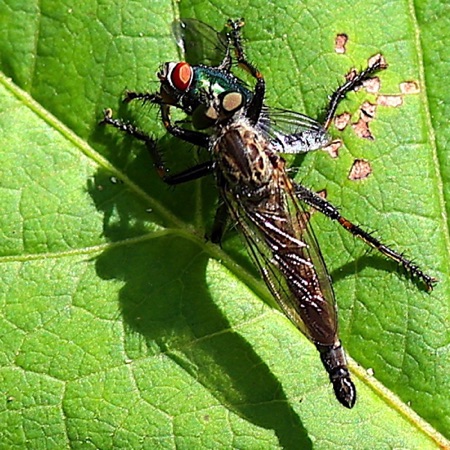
(122, 327)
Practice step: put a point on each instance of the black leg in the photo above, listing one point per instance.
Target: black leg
(143, 96)
(255, 107)
(191, 136)
(332, 213)
(227, 61)
(350, 85)
(190, 174)
(220, 223)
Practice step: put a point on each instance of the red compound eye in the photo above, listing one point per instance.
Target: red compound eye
(181, 76)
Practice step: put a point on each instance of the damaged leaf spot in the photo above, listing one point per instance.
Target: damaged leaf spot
(366, 114)
(333, 148)
(342, 120)
(372, 85)
(322, 193)
(361, 129)
(393, 101)
(409, 87)
(360, 170)
(351, 74)
(368, 111)
(339, 43)
(377, 58)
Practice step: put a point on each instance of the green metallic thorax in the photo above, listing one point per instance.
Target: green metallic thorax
(212, 80)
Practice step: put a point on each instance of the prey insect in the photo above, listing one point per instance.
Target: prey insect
(244, 139)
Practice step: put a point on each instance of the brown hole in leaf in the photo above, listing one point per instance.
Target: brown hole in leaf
(339, 43)
(372, 85)
(367, 111)
(322, 193)
(390, 100)
(361, 129)
(333, 148)
(409, 87)
(377, 58)
(342, 120)
(360, 170)
(351, 74)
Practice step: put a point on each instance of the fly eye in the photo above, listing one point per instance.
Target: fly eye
(181, 76)
(231, 102)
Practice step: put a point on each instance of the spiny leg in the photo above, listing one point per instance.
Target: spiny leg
(354, 83)
(227, 61)
(189, 174)
(155, 98)
(193, 137)
(256, 104)
(332, 213)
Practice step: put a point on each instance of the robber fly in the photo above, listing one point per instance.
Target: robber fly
(245, 139)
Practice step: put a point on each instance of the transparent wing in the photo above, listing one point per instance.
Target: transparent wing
(292, 132)
(281, 241)
(200, 43)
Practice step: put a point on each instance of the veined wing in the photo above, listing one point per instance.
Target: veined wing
(292, 132)
(200, 43)
(281, 241)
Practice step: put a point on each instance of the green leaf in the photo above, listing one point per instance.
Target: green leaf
(121, 327)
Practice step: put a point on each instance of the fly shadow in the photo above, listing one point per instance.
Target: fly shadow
(165, 300)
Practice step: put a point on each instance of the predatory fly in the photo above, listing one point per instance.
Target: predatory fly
(244, 139)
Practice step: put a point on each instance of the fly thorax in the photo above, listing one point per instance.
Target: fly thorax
(243, 157)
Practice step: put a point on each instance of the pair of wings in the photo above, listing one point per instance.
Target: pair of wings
(279, 238)
(281, 242)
